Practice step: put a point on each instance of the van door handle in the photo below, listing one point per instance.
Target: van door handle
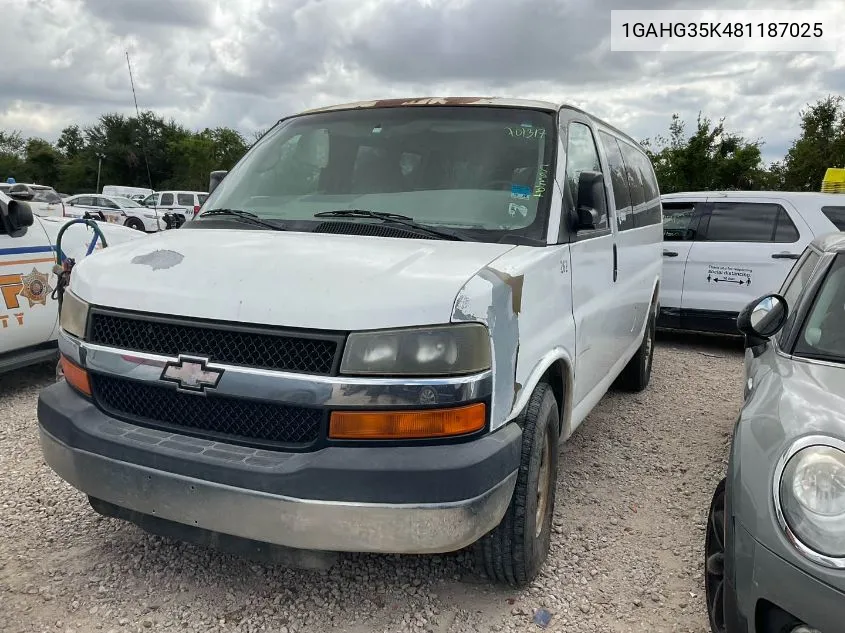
(670, 254)
(786, 256)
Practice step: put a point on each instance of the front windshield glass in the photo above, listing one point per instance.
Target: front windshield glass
(823, 334)
(481, 169)
(126, 203)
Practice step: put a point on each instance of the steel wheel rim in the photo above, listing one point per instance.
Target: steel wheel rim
(543, 485)
(714, 566)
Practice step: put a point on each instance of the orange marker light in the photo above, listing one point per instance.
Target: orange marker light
(407, 425)
(75, 375)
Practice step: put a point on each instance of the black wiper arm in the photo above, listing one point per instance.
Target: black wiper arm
(245, 216)
(394, 217)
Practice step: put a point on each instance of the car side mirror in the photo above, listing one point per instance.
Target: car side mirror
(591, 201)
(762, 318)
(23, 195)
(215, 179)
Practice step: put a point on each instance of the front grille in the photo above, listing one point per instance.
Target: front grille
(232, 344)
(228, 419)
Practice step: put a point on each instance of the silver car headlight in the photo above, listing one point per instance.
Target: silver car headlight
(443, 350)
(812, 499)
(74, 317)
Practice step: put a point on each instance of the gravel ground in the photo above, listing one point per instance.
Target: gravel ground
(626, 555)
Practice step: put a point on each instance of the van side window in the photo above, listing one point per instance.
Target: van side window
(185, 199)
(581, 155)
(678, 221)
(750, 222)
(835, 215)
(166, 200)
(619, 182)
(645, 194)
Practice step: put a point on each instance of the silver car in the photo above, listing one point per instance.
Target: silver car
(775, 538)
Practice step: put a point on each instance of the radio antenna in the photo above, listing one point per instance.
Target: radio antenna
(138, 115)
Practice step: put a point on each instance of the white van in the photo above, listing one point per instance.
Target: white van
(725, 248)
(372, 338)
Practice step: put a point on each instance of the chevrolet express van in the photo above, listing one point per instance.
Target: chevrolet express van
(373, 337)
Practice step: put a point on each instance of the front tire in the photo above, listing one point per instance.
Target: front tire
(714, 561)
(514, 552)
(135, 223)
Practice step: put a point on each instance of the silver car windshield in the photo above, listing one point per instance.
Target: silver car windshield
(823, 334)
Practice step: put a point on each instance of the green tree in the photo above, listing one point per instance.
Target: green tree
(710, 158)
(820, 145)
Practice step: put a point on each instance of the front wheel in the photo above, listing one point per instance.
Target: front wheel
(515, 550)
(714, 561)
(135, 223)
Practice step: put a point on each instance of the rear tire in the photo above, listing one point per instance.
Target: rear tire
(135, 223)
(514, 552)
(637, 373)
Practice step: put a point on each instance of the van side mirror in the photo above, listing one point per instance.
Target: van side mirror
(762, 318)
(215, 179)
(592, 204)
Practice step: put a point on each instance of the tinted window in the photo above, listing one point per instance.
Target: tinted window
(803, 270)
(86, 201)
(619, 182)
(202, 197)
(106, 203)
(185, 199)
(749, 222)
(645, 194)
(45, 194)
(679, 221)
(835, 215)
(581, 155)
(166, 199)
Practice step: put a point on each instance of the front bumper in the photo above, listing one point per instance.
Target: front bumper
(764, 577)
(392, 499)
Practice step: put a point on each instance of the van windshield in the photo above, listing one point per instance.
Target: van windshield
(481, 169)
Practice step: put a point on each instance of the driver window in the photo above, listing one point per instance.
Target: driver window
(581, 155)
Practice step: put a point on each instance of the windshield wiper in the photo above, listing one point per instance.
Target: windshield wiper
(394, 217)
(244, 216)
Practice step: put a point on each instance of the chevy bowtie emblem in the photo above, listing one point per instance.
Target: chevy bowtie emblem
(191, 374)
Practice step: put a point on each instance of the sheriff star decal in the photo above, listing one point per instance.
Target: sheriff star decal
(36, 288)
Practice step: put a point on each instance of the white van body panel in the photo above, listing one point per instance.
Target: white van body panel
(303, 280)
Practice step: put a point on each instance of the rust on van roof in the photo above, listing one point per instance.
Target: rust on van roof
(437, 101)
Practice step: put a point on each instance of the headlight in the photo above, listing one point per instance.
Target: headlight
(446, 350)
(74, 317)
(812, 498)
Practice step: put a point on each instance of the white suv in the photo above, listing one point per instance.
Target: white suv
(722, 249)
(180, 205)
(43, 200)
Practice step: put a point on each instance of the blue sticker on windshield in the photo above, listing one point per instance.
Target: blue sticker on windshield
(520, 193)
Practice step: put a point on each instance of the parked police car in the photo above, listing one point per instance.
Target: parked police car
(724, 248)
(372, 338)
(28, 311)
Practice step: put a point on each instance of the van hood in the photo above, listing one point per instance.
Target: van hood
(303, 280)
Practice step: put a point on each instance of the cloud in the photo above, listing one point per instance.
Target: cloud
(247, 63)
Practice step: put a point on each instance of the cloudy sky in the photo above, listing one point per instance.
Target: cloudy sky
(246, 63)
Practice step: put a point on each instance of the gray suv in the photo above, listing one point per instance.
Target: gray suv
(775, 539)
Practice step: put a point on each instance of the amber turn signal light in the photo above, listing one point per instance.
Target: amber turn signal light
(75, 375)
(407, 425)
